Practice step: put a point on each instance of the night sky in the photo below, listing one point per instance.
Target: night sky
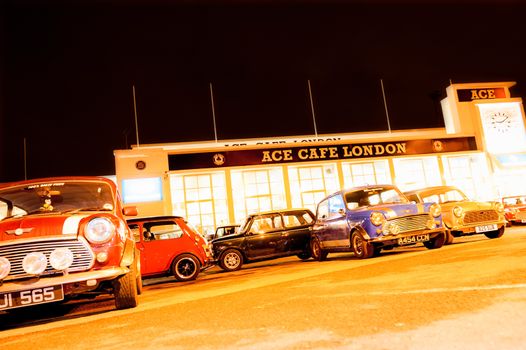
(67, 71)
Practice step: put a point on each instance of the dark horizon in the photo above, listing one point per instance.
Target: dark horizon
(67, 71)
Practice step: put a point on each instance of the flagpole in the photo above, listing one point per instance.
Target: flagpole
(312, 109)
(213, 110)
(135, 112)
(385, 106)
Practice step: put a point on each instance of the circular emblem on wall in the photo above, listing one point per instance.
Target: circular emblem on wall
(219, 159)
(140, 165)
(438, 146)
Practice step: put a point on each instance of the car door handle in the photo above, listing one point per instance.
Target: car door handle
(285, 234)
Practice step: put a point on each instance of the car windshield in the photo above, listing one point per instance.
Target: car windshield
(519, 200)
(374, 196)
(55, 197)
(447, 197)
(245, 224)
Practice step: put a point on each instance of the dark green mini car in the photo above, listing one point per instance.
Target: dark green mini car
(266, 235)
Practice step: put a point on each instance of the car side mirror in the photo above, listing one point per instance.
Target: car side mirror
(341, 211)
(130, 211)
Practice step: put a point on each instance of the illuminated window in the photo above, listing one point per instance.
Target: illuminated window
(142, 190)
(366, 173)
(257, 190)
(470, 174)
(310, 184)
(415, 173)
(201, 199)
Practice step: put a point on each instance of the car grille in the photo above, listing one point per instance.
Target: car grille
(410, 223)
(478, 216)
(520, 215)
(83, 257)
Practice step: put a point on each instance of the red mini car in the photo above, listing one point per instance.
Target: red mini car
(169, 246)
(515, 209)
(65, 237)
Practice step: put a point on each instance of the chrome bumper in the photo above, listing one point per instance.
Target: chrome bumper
(77, 277)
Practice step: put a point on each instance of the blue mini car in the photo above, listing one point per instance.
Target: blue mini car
(367, 219)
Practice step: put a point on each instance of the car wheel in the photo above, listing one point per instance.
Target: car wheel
(495, 234)
(231, 260)
(317, 251)
(449, 238)
(360, 247)
(436, 242)
(186, 267)
(138, 270)
(125, 288)
(304, 255)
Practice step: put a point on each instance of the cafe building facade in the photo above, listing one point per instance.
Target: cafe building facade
(481, 150)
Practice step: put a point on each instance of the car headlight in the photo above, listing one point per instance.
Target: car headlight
(390, 228)
(61, 258)
(435, 210)
(499, 207)
(34, 263)
(5, 267)
(100, 230)
(377, 218)
(457, 211)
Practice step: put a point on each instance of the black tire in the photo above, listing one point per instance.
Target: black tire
(436, 242)
(449, 238)
(317, 252)
(360, 247)
(377, 251)
(186, 267)
(138, 270)
(304, 255)
(125, 288)
(231, 260)
(495, 234)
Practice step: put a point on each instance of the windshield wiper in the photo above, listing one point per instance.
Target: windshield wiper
(83, 209)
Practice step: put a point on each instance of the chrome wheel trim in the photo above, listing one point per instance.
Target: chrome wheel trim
(185, 267)
(232, 260)
(358, 245)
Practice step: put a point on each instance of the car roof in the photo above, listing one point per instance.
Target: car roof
(359, 188)
(152, 218)
(279, 211)
(57, 179)
(431, 189)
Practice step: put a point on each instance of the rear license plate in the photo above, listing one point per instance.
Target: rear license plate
(486, 228)
(11, 300)
(413, 239)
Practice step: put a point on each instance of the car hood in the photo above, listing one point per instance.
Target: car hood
(394, 210)
(226, 238)
(39, 225)
(466, 205)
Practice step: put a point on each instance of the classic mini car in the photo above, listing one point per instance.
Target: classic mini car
(222, 231)
(169, 246)
(367, 219)
(462, 216)
(265, 235)
(515, 209)
(65, 237)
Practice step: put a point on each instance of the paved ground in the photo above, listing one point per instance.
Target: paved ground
(469, 295)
